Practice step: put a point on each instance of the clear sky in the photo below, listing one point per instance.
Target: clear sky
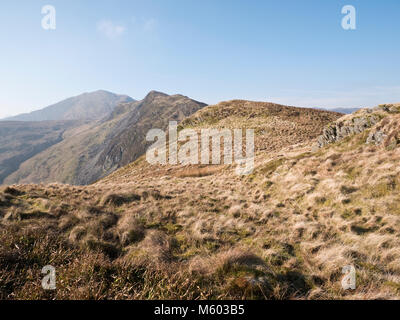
(287, 51)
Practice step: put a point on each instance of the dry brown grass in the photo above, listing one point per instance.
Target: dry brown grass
(198, 171)
(145, 232)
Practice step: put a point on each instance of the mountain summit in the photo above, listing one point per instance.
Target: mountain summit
(87, 106)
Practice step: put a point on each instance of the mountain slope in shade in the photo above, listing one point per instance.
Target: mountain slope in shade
(155, 111)
(97, 149)
(87, 106)
(20, 141)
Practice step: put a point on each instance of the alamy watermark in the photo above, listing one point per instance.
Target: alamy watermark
(349, 21)
(188, 152)
(49, 19)
(349, 279)
(49, 280)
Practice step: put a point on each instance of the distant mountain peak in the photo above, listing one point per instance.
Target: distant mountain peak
(87, 106)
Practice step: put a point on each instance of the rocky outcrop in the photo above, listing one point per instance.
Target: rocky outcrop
(348, 126)
(356, 123)
(389, 108)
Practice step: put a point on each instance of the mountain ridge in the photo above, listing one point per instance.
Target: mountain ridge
(102, 146)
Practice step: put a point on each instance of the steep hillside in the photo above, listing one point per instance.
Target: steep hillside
(100, 148)
(20, 141)
(87, 106)
(155, 111)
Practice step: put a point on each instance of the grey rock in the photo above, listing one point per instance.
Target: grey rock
(341, 129)
(376, 138)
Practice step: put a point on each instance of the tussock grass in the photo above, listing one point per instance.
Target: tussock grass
(119, 199)
(198, 172)
(279, 234)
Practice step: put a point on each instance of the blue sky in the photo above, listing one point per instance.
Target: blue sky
(287, 51)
